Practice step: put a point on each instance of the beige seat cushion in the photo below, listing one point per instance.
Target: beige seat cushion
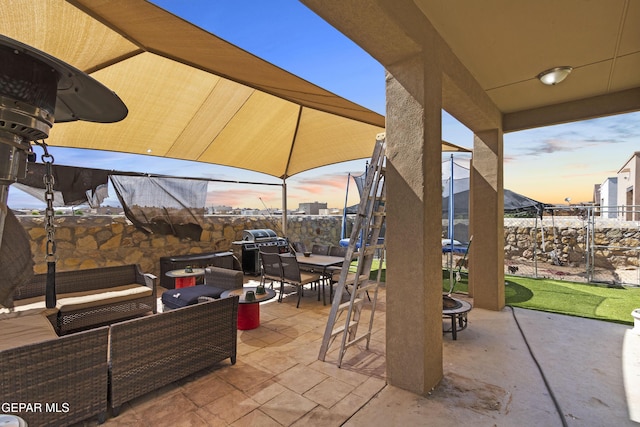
(28, 304)
(79, 300)
(25, 327)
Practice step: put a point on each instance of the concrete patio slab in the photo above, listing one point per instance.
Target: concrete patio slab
(491, 376)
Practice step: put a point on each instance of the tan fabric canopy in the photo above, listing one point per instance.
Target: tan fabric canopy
(190, 94)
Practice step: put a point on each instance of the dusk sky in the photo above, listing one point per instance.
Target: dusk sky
(546, 164)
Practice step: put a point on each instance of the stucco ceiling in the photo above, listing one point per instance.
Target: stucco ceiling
(503, 45)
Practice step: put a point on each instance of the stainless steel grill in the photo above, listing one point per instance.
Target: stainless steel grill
(247, 250)
(259, 235)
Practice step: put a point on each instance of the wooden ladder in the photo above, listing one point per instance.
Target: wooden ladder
(344, 318)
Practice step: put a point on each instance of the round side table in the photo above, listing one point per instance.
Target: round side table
(249, 311)
(185, 278)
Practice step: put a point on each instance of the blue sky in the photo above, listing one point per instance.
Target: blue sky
(547, 164)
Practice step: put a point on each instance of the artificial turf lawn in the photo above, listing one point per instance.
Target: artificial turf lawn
(613, 304)
(593, 301)
(575, 299)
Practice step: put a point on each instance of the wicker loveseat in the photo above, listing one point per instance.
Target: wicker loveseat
(69, 379)
(151, 352)
(91, 297)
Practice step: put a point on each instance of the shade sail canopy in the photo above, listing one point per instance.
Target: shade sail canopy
(190, 94)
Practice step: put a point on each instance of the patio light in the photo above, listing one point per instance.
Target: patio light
(555, 75)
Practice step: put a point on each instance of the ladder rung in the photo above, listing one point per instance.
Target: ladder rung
(345, 305)
(372, 246)
(368, 287)
(340, 329)
(356, 340)
(361, 280)
(351, 277)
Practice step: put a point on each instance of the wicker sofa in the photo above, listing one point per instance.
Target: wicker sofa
(63, 379)
(91, 297)
(77, 376)
(151, 352)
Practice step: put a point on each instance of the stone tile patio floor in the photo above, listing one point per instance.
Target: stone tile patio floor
(277, 379)
(490, 376)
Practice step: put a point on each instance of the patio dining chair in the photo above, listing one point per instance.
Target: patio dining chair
(338, 251)
(320, 249)
(271, 269)
(299, 247)
(291, 274)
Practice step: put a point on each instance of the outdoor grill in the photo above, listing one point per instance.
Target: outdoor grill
(248, 249)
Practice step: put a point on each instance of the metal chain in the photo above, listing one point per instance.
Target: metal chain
(49, 181)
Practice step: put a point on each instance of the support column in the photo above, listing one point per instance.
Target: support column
(486, 261)
(414, 226)
(284, 207)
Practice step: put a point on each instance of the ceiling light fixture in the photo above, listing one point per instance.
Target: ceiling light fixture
(555, 75)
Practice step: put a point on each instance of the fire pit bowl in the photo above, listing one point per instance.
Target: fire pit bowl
(449, 303)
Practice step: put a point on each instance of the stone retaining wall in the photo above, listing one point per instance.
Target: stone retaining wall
(616, 242)
(97, 241)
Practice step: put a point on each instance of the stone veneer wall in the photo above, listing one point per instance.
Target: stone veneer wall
(95, 241)
(617, 242)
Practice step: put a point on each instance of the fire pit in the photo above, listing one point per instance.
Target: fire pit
(456, 310)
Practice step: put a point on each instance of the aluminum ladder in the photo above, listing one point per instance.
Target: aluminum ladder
(344, 318)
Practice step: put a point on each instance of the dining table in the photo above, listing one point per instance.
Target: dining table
(320, 264)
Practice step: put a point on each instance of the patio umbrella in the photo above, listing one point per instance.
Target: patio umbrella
(190, 94)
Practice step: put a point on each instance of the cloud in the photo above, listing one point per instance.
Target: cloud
(560, 145)
(323, 182)
(509, 159)
(597, 133)
(620, 128)
(553, 146)
(248, 197)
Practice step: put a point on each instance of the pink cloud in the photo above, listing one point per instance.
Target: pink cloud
(329, 188)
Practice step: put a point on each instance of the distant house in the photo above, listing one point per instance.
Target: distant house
(249, 211)
(608, 198)
(312, 208)
(628, 186)
(221, 209)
